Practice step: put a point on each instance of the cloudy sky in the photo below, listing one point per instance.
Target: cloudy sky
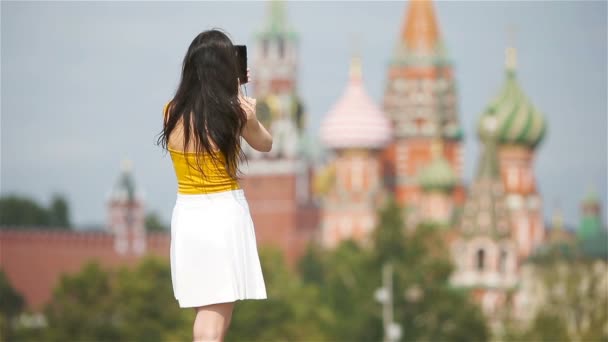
(83, 84)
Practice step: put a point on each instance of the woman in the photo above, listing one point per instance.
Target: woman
(213, 253)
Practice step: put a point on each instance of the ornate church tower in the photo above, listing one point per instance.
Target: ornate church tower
(277, 183)
(126, 214)
(484, 252)
(520, 128)
(356, 130)
(421, 100)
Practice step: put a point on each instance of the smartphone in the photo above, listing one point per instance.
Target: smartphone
(241, 55)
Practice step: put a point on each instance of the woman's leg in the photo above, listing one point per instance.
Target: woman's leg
(211, 322)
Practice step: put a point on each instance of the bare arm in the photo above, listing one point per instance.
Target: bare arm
(256, 135)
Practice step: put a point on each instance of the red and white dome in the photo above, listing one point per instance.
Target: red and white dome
(355, 121)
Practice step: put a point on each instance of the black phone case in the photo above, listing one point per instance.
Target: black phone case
(241, 54)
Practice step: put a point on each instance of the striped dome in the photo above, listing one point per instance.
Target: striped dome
(355, 121)
(517, 120)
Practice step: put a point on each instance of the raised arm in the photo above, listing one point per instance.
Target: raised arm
(254, 132)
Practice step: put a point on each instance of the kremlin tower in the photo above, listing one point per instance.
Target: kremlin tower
(356, 130)
(277, 183)
(126, 214)
(421, 101)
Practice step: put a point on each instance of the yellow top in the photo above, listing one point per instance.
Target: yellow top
(191, 181)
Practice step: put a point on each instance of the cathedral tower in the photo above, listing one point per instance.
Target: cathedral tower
(520, 128)
(421, 101)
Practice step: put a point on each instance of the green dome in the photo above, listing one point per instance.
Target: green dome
(438, 175)
(517, 120)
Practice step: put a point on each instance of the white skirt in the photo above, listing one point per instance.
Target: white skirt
(213, 252)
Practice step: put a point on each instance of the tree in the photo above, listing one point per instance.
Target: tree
(425, 305)
(59, 213)
(19, 211)
(118, 304)
(154, 224)
(11, 305)
(83, 307)
(574, 304)
(350, 281)
(292, 311)
(145, 307)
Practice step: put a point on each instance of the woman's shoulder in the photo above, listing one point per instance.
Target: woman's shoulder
(166, 107)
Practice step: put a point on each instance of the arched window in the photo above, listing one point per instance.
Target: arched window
(502, 261)
(265, 47)
(281, 43)
(480, 259)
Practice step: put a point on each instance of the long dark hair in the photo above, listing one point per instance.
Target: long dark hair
(207, 98)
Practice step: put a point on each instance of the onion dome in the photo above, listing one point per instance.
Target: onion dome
(355, 121)
(438, 175)
(518, 121)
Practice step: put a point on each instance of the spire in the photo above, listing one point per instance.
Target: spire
(126, 165)
(557, 218)
(488, 163)
(355, 72)
(276, 16)
(420, 33)
(124, 189)
(511, 59)
(276, 23)
(511, 53)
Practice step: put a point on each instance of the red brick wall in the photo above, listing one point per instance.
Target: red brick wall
(34, 259)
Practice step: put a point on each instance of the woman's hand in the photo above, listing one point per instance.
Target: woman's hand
(248, 104)
(256, 135)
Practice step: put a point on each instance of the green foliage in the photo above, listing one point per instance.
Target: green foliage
(575, 301)
(292, 312)
(154, 224)
(350, 282)
(145, 307)
(59, 212)
(83, 307)
(11, 305)
(311, 265)
(22, 212)
(389, 236)
(122, 304)
(425, 306)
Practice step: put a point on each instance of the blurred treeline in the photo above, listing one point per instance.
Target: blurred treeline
(19, 211)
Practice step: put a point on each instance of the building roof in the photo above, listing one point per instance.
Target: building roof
(355, 121)
(420, 41)
(438, 175)
(518, 121)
